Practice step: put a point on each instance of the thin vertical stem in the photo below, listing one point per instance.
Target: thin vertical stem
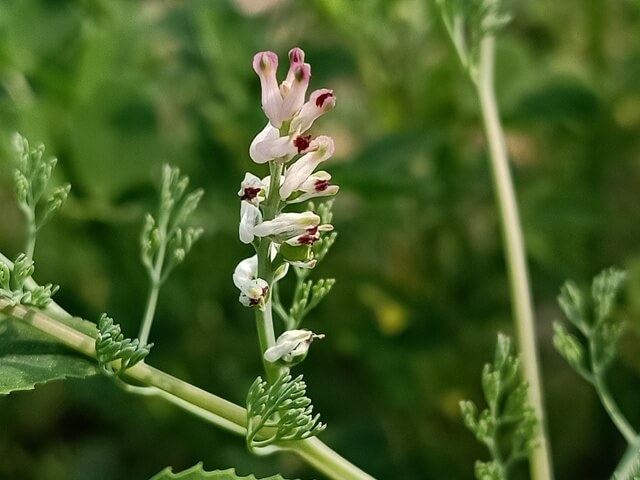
(610, 405)
(266, 337)
(155, 276)
(31, 240)
(149, 312)
(514, 251)
(264, 317)
(630, 462)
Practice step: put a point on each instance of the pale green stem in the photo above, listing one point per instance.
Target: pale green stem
(514, 252)
(630, 462)
(149, 312)
(266, 338)
(264, 317)
(155, 276)
(205, 405)
(32, 233)
(610, 405)
(327, 461)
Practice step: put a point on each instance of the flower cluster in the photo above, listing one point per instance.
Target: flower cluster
(293, 155)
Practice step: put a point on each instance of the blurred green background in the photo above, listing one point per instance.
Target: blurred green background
(115, 88)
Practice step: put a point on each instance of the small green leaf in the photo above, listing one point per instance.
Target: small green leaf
(573, 305)
(569, 347)
(283, 406)
(29, 357)
(604, 290)
(489, 471)
(198, 473)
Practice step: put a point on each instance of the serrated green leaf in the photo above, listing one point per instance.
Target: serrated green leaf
(29, 358)
(198, 473)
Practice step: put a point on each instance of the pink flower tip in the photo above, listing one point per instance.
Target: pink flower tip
(296, 55)
(263, 62)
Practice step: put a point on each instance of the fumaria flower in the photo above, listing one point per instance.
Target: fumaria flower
(252, 189)
(300, 171)
(281, 102)
(291, 347)
(253, 290)
(285, 103)
(316, 185)
(310, 236)
(320, 102)
(287, 225)
(250, 216)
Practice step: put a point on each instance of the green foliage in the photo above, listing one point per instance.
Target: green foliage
(12, 284)
(417, 219)
(31, 179)
(489, 471)
(29, 358)
(280, 412)
(197, 472)
(307, 296)
(468, 22)
(167, 234)
(508, 426)
(591, 315)
(111, 346)
(634, 473)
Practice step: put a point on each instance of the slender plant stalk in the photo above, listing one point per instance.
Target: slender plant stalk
(324, 459)
(630, 462)
(32, 234)
(514, 251)
(149, 312)
(264, 318)
(205, 405)
(154, 289)
(610, 405)
(266, 338)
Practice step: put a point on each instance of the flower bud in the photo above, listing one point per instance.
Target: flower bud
(291, 347)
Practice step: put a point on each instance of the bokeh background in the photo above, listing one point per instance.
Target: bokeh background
(116, 88)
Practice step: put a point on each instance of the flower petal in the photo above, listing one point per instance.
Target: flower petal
(320, 102)
(250, 216)
(294, 93)
(300, 171)
(287, 225)
(268, 134)
(265, 64)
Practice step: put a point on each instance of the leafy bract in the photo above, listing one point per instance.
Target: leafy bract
(198, 473)
(29, 357)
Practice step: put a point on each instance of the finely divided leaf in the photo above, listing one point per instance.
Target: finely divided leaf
(197, 473)
(29, 357)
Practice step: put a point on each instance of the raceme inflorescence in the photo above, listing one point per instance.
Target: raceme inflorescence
(285, 238)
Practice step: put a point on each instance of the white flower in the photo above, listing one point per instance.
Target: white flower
(320, 102)
(291, 347)
(287, 225)
(302, 169)
(252, 189)
(280, 103)
(253, 290)
(310, 236)
(317, 185)
(285, 103)
(250, 216)
(269, 145)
